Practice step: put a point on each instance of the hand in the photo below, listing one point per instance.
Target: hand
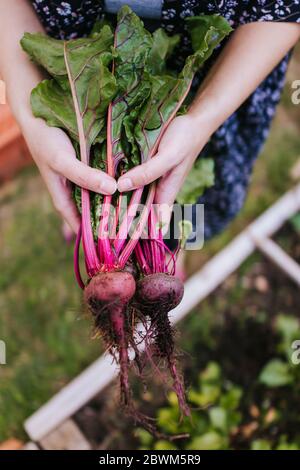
(177, 151)
(55, 157)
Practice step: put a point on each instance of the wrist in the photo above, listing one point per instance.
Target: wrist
(204, 111)
(19, 102)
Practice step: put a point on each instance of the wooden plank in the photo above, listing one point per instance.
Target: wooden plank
(71, 398)
(279, 257)
(96, 377)
(67, 437)
(274, 217)
(215, 271)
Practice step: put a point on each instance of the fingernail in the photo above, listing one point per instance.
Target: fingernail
(108, 186)
(125, 184)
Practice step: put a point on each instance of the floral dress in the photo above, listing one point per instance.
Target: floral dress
(237, 143)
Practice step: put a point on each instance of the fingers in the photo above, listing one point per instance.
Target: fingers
(62, 199)
(169, 186)
(84, 176)
(67, 232)
(166, 192)
(146, 173)
(51, 147)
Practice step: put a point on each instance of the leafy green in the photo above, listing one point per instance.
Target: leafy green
(200, 177)
(50, 102)
(133, 44)
(276, 373)
(143, 95)
(162, 48)
(114, 96)
(295, 221)
(84, 63)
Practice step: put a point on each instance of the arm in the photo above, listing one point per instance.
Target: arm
(250, 55)
(50, 147)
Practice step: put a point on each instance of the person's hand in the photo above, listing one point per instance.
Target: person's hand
(55, 157)
(177, 151)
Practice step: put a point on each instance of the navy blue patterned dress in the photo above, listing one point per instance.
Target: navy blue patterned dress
(237, 143)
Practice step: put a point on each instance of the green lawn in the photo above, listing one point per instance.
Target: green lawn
(41, 319)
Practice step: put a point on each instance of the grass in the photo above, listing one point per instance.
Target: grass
(41, 321)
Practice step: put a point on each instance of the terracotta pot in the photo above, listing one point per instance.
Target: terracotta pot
(14, 154)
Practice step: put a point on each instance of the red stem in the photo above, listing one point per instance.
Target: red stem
(91, 257)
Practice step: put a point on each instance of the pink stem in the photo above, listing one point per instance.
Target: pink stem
(126, 223)
(104, 246)
(91, 257)
(141, 259)
(131, 244)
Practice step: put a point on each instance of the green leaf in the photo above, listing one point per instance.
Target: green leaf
(47, 52)
(144, 437)
(50, 102)
(200, 177)
(207, 32)
(76, 100)
(94, 85)
(285, 445)
(209, 441)
(218, 418)
(231, 399)
(133, 44)
(208, 395)
(276, 374)
(168, 93)
(295, 221)
(164, 445)
(168, 420)
(162, 48)
(113, 91)
(288, 327)
(172, 399)
(261, 444)
(212, 373)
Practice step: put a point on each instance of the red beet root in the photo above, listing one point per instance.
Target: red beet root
(107, 296)
(156, 295)
(160, 291)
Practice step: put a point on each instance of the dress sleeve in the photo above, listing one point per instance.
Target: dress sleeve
(271, 10)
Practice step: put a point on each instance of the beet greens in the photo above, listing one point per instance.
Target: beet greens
(114, 97)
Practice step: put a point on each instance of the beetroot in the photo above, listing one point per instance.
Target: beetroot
(156, 295)
(107, 295)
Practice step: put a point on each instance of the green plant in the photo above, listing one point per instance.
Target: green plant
(215, 415)
(280, 372)
(112, 94)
